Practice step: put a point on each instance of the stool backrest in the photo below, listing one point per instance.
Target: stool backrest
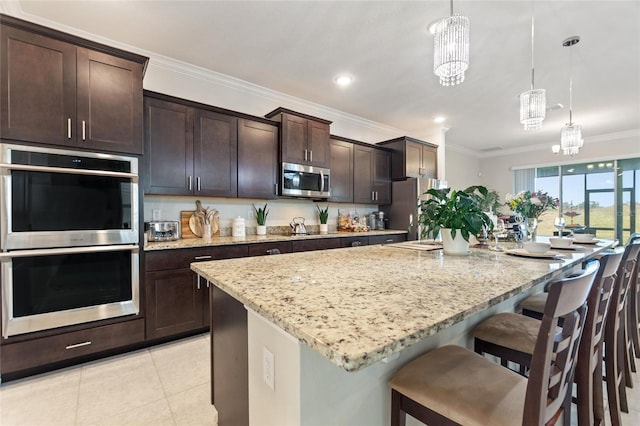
(556, 351)
(598, 304)
(627, 273)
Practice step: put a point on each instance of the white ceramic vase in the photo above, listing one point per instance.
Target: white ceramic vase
(324, 228)
(261, 230)
(457, 245)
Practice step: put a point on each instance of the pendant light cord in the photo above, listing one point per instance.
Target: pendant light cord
(571, 86)
(451, 4)
(532, 46)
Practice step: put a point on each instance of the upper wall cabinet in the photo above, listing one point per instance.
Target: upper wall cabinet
(341, 170)
(304, 139)
(257, 159)
(412, 158)
(59, 89)
(189, 151)
(371, 183)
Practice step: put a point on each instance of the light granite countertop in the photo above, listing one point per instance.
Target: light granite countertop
(357, 305)
(252, 239)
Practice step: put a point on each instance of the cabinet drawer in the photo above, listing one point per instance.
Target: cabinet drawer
(386, 239)
(320, 244)
(354, 241)
(262, 249)
(47, 350)
(181, 258)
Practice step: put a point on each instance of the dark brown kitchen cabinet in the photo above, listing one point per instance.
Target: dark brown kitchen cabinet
(257, 159)
(387, 239)
(341, 171)
(317, 244)
(412, 158)
(304, 139)
(176, 300)
(189, 151)
(59, 89)
(270, 248)
(371, 171)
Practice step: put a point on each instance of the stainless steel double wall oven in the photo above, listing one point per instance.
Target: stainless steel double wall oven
(68, 237)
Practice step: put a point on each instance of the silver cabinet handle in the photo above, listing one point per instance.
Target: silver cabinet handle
(198, 283)
(198, 183)
(376, 195)
(373, 196)
(78, 345)
(202, 257)
(311, 156)
(305, 155)
(189, 185)
(84, 130)
(276, 188)
(390, 240)
(69, 128)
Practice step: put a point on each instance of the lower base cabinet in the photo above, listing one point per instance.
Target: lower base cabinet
(31, 354)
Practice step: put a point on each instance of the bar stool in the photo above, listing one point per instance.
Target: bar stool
(633, 311)
(512, 337)
(453, 385)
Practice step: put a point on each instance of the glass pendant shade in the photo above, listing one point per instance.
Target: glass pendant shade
(451, 49)
(571, 139)
(533, 108)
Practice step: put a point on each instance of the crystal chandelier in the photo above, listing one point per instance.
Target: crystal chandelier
(571, 134)
(533, 103)
(451, 48)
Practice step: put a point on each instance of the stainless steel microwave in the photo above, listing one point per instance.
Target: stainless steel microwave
(305, 181)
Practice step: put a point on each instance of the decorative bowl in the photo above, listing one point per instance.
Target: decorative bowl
(557, 242)
(583, 238)
(535, 247)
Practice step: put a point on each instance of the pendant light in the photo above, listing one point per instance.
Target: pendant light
(451, 48)
(533, 103)
(571, 134)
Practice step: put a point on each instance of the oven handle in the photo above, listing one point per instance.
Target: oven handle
(47, 169)
(69, 250)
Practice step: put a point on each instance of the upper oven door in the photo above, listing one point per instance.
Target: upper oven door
(305, 181)
(56, 198)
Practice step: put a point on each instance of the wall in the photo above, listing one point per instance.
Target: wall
(463, 168)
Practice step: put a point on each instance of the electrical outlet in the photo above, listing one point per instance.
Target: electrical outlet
(268, 368)
(155, 214)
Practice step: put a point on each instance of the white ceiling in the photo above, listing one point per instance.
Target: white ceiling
(298, 48)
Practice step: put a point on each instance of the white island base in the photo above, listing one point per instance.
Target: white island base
(309, 390)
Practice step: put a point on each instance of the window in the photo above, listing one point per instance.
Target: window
(603, 196)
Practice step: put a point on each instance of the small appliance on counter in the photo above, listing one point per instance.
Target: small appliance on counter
(297, 226)
(163, 230)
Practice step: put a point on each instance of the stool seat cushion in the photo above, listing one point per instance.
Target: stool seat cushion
(535, 303)
(463, 386)
(509, 330)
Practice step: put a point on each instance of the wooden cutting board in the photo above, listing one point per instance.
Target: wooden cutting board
(185, 229)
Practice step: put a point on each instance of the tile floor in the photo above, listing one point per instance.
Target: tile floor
(163, 385)
(167, 384)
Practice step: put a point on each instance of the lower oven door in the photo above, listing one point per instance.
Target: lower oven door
(50, 288)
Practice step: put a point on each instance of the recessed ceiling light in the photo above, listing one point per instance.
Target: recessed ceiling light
(439, 119)
(344, 80)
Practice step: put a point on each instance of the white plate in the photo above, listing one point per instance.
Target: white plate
(594, 241)
(571, 247)
(524, 253)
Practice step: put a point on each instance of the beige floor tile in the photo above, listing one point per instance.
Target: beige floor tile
(183, 365)
(193, 407)
(49, 399)
(156, 413)
(107, 388)
(118, 365)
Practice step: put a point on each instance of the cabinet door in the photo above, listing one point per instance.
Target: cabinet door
(109, 100)
(257, 159)
(319, 150)
(429, 168)
(215, 154)
(38, 88)
(382, 177)
(174, 302)
(413, 159)
(294, 139)
(341, 171)
(168, 148)
(362, 174)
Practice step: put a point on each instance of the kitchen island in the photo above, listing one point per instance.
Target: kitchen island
(325, 330)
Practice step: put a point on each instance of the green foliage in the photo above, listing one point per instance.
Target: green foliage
(261, 214)
(323, 214)
(452, 209)
(487, 200)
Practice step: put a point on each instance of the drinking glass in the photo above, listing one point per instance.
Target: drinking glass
(559, 223)
(498, 231)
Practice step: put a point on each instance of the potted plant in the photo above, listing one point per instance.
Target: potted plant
(457, 214)
(261, 218)
(323, 214)
(487, 200)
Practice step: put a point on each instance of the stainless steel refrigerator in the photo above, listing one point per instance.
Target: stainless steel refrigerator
(404, 210)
